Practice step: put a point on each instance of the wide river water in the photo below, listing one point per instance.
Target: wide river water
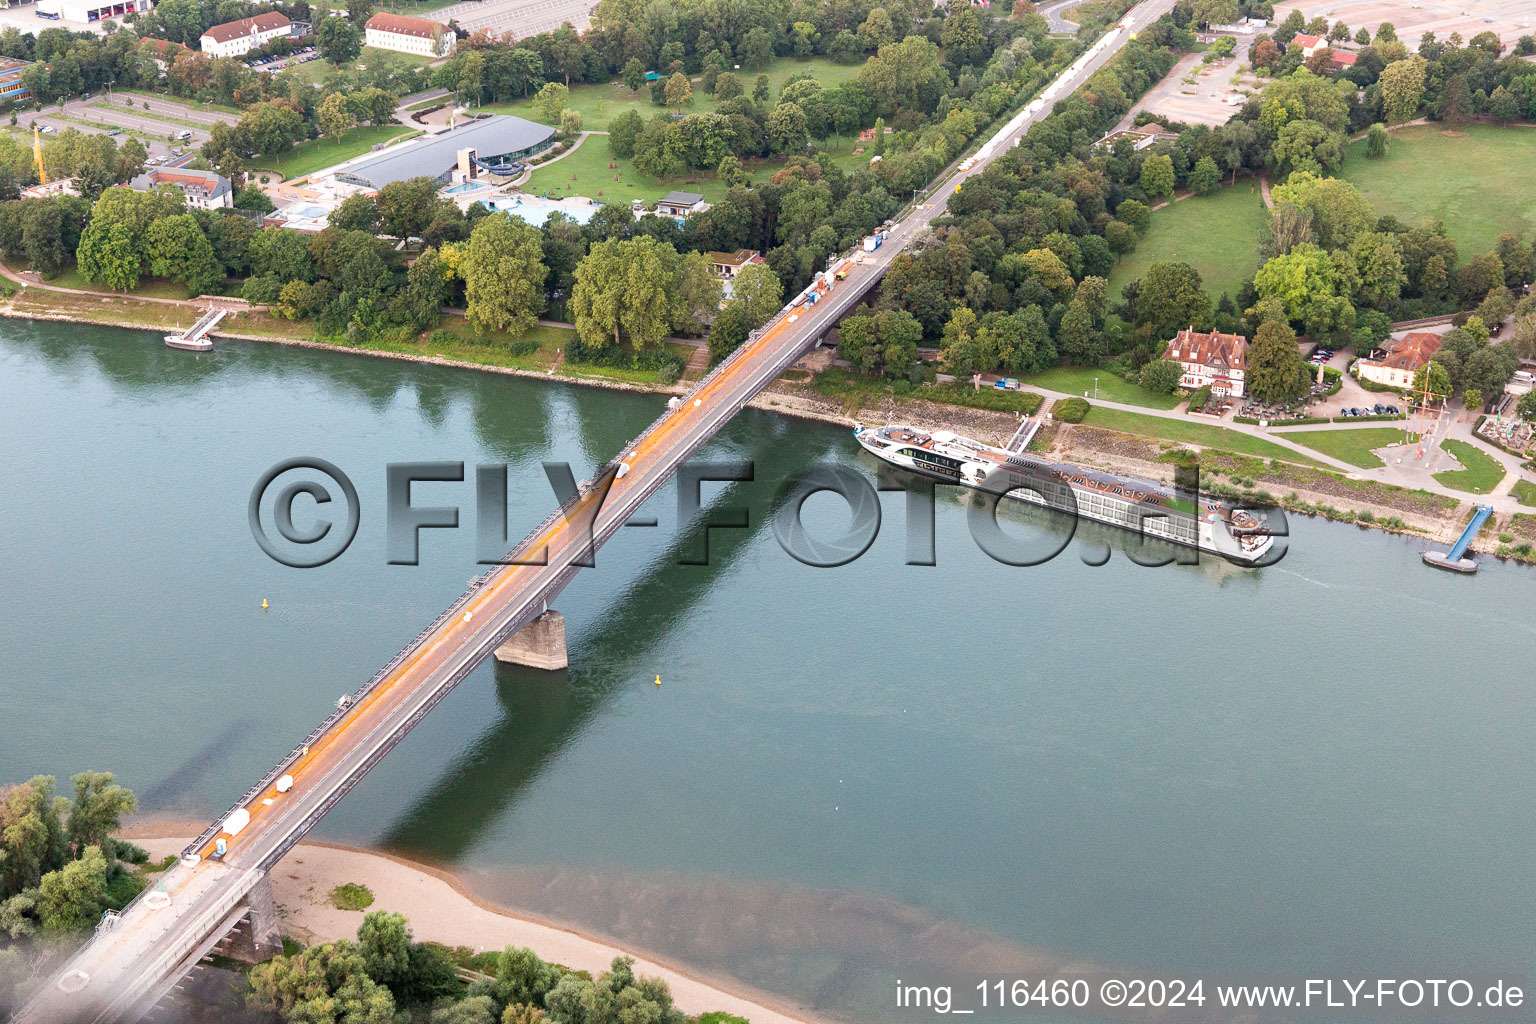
(847, 774)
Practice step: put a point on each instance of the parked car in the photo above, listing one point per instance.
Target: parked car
(114, 131)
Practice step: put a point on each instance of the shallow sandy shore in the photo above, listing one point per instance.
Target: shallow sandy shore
(441, 910)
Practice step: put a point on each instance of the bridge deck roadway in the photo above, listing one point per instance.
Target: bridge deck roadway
(120, 966)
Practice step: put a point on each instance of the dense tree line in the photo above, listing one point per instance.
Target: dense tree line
(60, 868)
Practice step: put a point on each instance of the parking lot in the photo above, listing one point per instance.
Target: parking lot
(1511, 19)
(158, 123)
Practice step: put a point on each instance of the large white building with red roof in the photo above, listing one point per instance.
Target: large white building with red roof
(1215, 360)
(408, 35)
(233, 38)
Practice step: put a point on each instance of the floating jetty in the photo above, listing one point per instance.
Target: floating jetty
(195, 338)
(1455, 559)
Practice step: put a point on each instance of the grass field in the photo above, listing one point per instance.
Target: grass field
(1524, 492)
(1351, 446)
(191, 104)
(1202, 434)
(1477, 181)
(314, 154)
(586, 172)
(1481, 472)
(1077, 380)
(600, 103)
(1218, 235)
(319, 72)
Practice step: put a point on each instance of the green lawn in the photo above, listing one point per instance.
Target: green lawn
(587, 172)
(320, 72)
(192, 104)
(1218, 235)
(1481, 472)
(1524, 492)
(1477, 181)
(1076, 380)
(1202, 434)
(315, 154)
(601, 103)
(1351, 446)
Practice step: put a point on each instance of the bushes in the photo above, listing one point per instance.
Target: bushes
(998, 399)
(1071, 410)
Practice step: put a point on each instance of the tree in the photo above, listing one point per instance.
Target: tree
(1339, 211)
(339, 41)
(1402, 88)
(1276, 372)
(1434, 378)
(179, 250)
(1377, 140)
(1206, 177)
(1161, 376)
(787, 128)
(406, 209)
(756, 48)
(1526, 407)
(73, 897)
(758, 292)
(427, 289)
(357, 212)
(1170, 298)
(1214, 12)
(633, 74)
(1157, 178)
(521, 977)
(697, 294)
(625, 288)
(1472, 398)
(677, 92)
(32, 837)
(727, 333)
(384, 943)
(570, 124)
(325, 984)
(622, 133)
(1380, 265)
(964, 349)
(1455, 100)
(1305, 282)
(551, 100)
(253, 197)
(114, 245)
(503, 271)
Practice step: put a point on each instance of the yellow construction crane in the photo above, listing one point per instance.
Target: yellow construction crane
(37, 155)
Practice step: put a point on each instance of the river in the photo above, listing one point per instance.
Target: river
(846, 774)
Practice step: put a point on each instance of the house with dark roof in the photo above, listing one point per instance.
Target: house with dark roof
(408, 35)
(204, 190)
(1215, 360)
(1402, 359)
(681, 204)
(236, 37)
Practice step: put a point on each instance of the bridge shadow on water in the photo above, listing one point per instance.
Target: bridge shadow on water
(544, 711)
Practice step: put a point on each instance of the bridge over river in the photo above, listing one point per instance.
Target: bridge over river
(133, 961)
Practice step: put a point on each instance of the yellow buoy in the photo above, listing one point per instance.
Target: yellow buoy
(658, 680)
(263, 604)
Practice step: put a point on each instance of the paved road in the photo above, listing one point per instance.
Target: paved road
(125, 111)
(1053, 16)
(116, 973)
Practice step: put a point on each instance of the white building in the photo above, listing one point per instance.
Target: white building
(1217, 360)
(408, 35)
(233, 38)
(203, 190)
(90, 11)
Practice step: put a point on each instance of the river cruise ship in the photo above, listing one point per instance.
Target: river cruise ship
(1238, 535)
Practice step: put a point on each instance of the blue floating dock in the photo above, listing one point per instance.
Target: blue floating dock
(1455, 559)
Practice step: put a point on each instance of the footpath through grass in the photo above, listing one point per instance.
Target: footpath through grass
(1217, 234)
(1076, 380)
(1203, 434)
(1476, 180)
(1480, 472)
(1351, 446)
(314, 154)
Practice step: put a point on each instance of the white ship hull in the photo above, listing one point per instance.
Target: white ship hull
(1139, 506)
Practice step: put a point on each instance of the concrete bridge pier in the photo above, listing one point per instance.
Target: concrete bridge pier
(256, 938)
(540, 644)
